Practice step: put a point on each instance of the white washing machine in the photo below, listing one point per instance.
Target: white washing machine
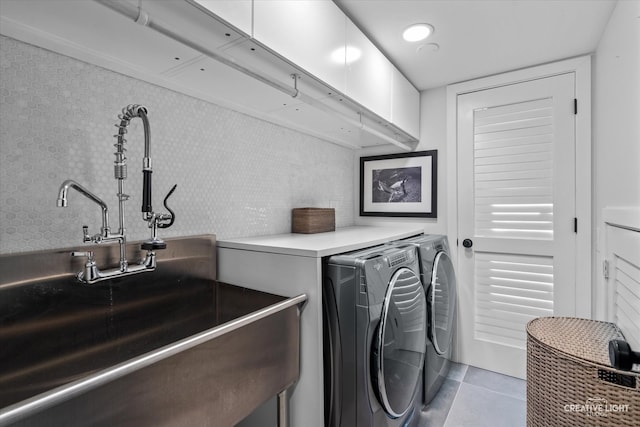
(438, 277)
(374, 320)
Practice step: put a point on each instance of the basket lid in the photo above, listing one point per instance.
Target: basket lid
(583, 338)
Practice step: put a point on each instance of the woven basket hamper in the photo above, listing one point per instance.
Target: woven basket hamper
(570, 381)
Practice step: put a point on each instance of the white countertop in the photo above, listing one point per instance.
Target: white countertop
(323, 244)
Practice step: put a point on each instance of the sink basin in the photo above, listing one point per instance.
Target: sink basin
(170, 347)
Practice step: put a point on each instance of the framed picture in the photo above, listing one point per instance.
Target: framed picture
(403, 185)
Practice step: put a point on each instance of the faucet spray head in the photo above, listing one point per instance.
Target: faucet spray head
(61, 203)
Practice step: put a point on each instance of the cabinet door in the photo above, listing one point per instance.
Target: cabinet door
(405, 105)
(369, 73)
(235, 12)
(308, 33)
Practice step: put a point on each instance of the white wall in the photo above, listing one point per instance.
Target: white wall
(616, 100)
(237, 175)
(616, 121)
(433, 136)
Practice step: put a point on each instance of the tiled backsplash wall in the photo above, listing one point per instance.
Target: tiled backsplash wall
(237, 175)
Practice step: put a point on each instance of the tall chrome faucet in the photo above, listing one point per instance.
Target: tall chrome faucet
(91, 273)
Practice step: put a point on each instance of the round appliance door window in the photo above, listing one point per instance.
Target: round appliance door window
(399, 347)
(442, 297)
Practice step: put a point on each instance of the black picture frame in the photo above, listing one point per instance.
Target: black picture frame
(400, 185)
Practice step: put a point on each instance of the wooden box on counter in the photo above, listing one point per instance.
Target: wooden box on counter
(313, 220)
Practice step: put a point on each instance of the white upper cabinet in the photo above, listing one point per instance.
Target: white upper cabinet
(369, 73)
(308, 33)
(236, 12)
(405, 104)
(315, 36)
(320, 39)
(225, 51)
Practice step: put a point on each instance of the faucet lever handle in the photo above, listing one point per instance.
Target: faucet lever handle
(85, 232)
(172, 215)
(87, 254)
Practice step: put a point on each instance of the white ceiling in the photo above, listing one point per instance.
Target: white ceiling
(478, 38)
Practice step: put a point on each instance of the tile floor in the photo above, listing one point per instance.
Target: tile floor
(477, 398)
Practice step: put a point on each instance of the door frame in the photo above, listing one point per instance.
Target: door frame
(581, 67)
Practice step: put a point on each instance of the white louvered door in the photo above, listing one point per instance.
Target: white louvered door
(516, 204)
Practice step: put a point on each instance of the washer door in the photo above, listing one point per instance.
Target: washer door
(399, 346)
(442, 298)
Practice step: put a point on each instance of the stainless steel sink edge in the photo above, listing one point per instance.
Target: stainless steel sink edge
(20, 410)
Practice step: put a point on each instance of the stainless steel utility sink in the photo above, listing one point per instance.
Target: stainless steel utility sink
(170, 347)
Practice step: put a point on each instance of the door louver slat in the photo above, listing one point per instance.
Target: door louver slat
(510, 109)
(510, 142)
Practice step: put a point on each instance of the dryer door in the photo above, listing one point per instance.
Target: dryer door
(442, 303)
(399, 347)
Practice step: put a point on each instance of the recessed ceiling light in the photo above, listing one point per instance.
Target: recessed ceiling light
(417, 32)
